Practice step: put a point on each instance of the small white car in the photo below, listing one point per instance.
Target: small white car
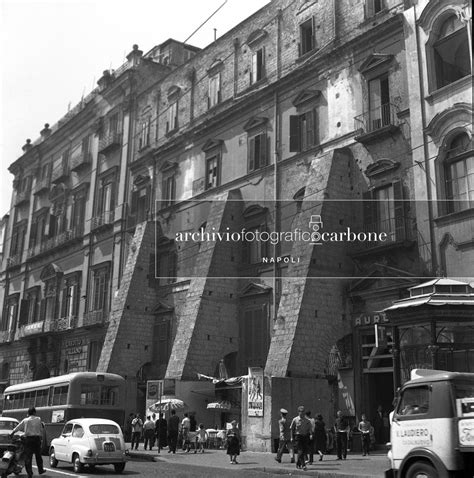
(89, 441)
(7, 424)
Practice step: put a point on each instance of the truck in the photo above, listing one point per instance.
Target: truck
(432, 426)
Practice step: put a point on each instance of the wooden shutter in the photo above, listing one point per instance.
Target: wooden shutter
(251, 154)
(309, 130)
(263, 150)
(43, 309)
(24, 307)
(369, 210)
(399, 210)
(295, 145)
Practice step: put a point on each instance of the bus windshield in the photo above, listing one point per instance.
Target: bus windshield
(464, 389)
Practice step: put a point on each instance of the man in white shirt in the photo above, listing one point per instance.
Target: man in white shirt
(33, 429)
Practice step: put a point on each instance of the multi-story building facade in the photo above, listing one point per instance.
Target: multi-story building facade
(304, 112)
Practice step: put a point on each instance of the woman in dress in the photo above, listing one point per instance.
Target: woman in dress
(233, 442)
(320, 436)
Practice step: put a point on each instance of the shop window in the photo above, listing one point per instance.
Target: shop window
(307, 37)
(213, 172)
(257, 72)
(254, 337)
(99, 288)
(414, 401)
(303, 131)
(450, 49)
(459, 174)
(214, 95)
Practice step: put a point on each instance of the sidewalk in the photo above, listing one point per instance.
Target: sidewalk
(356, 465)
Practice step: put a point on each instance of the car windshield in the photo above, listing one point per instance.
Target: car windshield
(7, 425)
(104, 429)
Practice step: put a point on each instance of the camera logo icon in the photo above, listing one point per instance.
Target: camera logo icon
(315, 224)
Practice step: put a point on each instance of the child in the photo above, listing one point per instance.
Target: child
(201, 438)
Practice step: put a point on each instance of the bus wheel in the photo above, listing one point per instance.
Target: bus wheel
(421, 469)
(119, 467)
(53, 463)
(77, 465)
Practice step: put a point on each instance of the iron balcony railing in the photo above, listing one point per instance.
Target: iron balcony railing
(14, 260)
(377, 118)
(64, 323)
(56, 241)
(95, 317)
(110, 141)
(81, 160)
(396, 230)
(102, 219)
(41, 185)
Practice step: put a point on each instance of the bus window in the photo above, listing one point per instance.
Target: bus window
(41, 398)
(18, 402)
(108, 395)
(60, 395)
(90, 394)
(29, 399)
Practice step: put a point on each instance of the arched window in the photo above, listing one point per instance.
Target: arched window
(450, 52)
(459, 174)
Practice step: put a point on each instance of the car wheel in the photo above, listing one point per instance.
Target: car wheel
(119, 467)
(421, 469)
(53, 463)
(76, 462)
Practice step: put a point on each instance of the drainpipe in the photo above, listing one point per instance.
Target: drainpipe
(276, 248)
(434, 262)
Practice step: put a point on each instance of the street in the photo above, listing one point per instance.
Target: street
(214, 464)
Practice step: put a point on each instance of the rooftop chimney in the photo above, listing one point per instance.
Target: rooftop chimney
(27, 146)
(46, 131)
(134, 56)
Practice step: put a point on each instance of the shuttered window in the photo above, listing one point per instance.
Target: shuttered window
(307, 38)
(258, 151)
(303, 131)
(254, 337)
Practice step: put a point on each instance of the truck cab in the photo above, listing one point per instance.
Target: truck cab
(432, 433)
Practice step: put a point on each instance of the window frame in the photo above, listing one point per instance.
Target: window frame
(258, 70)
(214, 96)
(304, 134)
(99, 302)
(212, 156)
(306, 26)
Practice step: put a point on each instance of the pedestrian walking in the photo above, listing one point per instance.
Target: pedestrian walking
(311, 439)
(153, 419)
(137, 430)
(285, 437)
(233, 442)
(173, 432)
(341, 427)
(148, 433)
(161, 431)
(185, 427)
(320, 437)
(33, 430)
(201, 438)
(300, 431)
(364, 428)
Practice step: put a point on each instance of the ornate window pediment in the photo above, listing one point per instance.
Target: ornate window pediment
(306, 96)
(381, 166)
(163, 308)
(254, 210)
(168, 166)
(140, 180)
(255, 122)
(256, 36)
(50, 272)
(215, 67)
(211, 144)
(374, 61)
(253, 288)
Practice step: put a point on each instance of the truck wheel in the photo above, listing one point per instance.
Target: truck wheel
(421, 469)
(77, 465)
(53, 463)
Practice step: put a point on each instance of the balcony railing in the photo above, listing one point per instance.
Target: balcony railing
(95, 317)
(22, 197)
(14, 260)
(6, 336)
(110, 141)
(35, 328)
(56, 241)
(60, 173)
(81, 160)
(397, 230)
(377, 119)
(41, 185)
(102, 219)
(64, 323)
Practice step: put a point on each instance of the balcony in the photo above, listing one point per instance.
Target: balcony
(60, 173)
(7, 336)
(64, 323)
(41, 185)
(22, 197)
(14, 260)
(80, 161)
(377, 123)
(103, 219)
(36, 328)
(95, 317)
(57, 241)
(109, 142)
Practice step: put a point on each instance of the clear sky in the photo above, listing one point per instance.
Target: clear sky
(54, 51)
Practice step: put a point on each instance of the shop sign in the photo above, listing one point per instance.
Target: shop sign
(255, 392)
(370, 318)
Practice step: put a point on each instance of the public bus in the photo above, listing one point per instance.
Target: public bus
(62, 398)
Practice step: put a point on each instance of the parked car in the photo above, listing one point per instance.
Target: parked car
(89, 441)
(7, 424)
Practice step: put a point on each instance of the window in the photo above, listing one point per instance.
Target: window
(38, 228)
(30, 307)
(258, 152)
(172, 123)
(18, 239)
(67, 430)
(307, 39)
(99, 288)
(108, 395)
(372, 7)
(298, 198)
(414, 401)
(60, 395)
(78, 431)
(459, 174)
(214, 97)
(303, 131)
(450, 52)
(78, 211)
(169, 191)
(162, 342)
(379, 103)
(166, 266)
(8, 323)
(50, 303)
(144, 138)
(254, 337)
(106, 200)
(258, 66)
(114, 124)
(254, 250)
(70, 296)
(212, 171)
(93, 355)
